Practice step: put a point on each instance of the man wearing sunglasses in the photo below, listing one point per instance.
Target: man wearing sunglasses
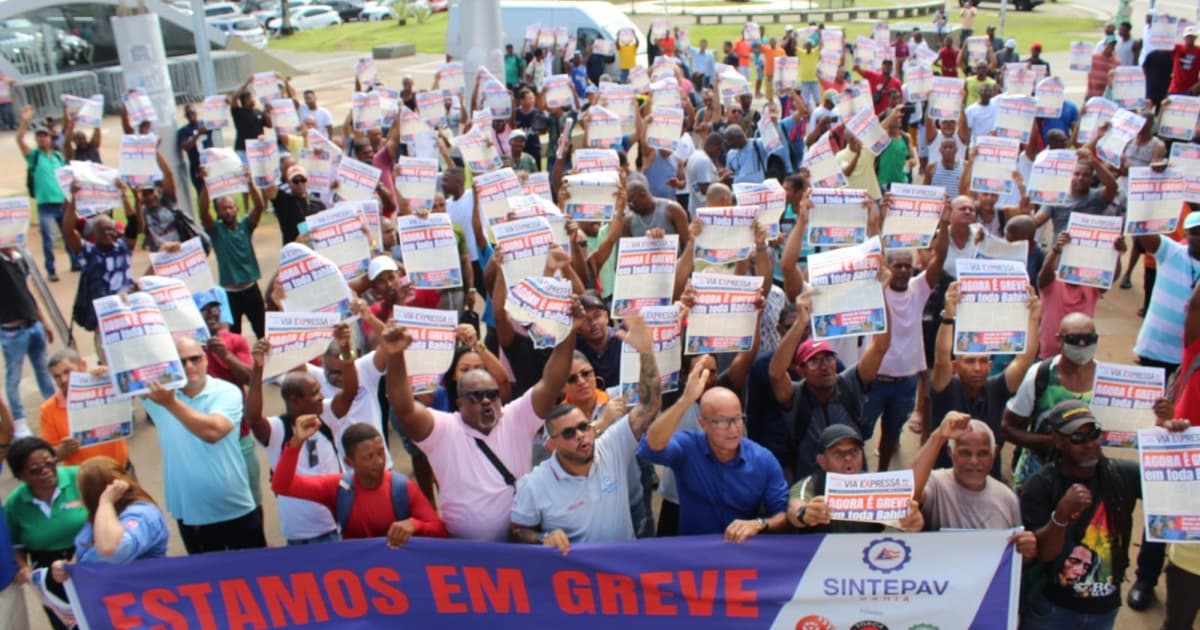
(293, 203)
(1081, 498)
(479, 452)
(581, 493)
(1067, 375)
(204, 472)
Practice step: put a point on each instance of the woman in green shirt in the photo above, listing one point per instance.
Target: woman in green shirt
(45, 512)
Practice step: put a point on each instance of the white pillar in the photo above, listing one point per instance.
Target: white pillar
(144, 65)
(480, 25)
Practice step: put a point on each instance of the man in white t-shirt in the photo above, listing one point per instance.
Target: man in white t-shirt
(478, 452)
(894, 392)
(302, 522)
(335, 375)
(980, 118)
(580, 493)
(310, 109)
(967, 496)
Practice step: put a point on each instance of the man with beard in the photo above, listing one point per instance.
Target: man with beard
(1080, 500)
(579, 494)
(479, 452)
(1065, 376)
(842, 453)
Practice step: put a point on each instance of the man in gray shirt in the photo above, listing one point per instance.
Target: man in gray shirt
(966, 496)
(1083, 197)
(580, 494)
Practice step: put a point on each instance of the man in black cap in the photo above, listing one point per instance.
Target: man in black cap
(597, 342)
(41, 160)
(1080, 507)
(842, 453)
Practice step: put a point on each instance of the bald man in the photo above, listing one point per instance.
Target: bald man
(1064, 376)
(204, 473)
(727, 483)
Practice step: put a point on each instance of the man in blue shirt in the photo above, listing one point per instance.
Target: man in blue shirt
(1065, 122)
(704, 63)
(204, 473)
(727, 483)
(747, 157)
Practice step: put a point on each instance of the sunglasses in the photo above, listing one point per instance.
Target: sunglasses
(480, 395)
(583, 375)
(1083, 437)
(299, 180)
(1080, 339)
(192, 359)
(570, 432)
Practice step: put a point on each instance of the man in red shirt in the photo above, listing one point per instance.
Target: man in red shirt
(1186, 71)
(948, 58)
(882, 83)
(372, 511)
(228, 352)
(743, 49)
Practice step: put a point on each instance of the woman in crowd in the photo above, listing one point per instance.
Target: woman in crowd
(45, 512)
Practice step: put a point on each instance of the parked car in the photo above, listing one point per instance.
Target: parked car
(264, 16)
(348, 10)
(244, 27)
(221, 11)
(376, 11)
(308, 18)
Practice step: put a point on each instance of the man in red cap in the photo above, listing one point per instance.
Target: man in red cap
(293, 202)
(823, 396)
(1035, 57)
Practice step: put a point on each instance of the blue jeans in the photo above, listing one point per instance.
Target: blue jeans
(17, 344)
(810, 91)
(1043, 615)
(49, 216)
(7, 120)
(894, 399)
(327, 537)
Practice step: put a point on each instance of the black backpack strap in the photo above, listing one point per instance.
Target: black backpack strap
(509, 479)
(289, 429)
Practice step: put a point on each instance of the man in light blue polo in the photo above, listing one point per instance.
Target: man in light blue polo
(747, 157)
(203, 470)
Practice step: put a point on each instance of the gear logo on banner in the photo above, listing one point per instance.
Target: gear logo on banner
(886, 555)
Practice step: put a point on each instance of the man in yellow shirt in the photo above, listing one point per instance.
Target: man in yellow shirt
(626, 56)
(770, 52)
(810, 87)
(54, 426)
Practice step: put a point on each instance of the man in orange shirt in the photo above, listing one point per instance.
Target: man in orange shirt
(743, 50)
(770, 52)
(54, 427)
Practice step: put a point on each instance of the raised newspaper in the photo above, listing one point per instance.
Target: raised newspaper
(645, 272)
(296, 339)
(992, 313)
(849, 299)
(724, 315)
(1123, 400)
(95, 413)
(432, 348)
(1170, 466)
(137, 344)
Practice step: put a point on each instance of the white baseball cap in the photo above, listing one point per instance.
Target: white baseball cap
(380, 264)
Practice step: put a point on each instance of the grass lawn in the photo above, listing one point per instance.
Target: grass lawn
(429, 37)
(1054, 32)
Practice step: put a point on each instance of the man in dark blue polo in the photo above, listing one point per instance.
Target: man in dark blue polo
(752, 495)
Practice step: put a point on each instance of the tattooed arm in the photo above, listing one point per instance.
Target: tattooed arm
(649, 383)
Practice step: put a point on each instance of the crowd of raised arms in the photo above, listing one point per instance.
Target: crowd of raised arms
(519, 442)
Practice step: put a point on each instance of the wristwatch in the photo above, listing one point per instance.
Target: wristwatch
(800, 515)
(946, 320)
(762, 522)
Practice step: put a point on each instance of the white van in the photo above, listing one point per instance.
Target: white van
(585, 20)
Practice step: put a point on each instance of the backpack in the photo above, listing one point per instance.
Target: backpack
(1041, 380)
(345, 498)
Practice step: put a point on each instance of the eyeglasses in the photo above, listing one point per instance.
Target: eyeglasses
(570, 432)
(480, 395)
(1083, 437)
(299, 180)
(195, 359)
(1080, 339)
(725, 423)
(583, 375)
(818, 361)
(32, 468)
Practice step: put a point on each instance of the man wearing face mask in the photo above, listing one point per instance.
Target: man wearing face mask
(1065, 376)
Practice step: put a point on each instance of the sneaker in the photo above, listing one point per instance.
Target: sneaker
(53, 277)
(21, 429)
